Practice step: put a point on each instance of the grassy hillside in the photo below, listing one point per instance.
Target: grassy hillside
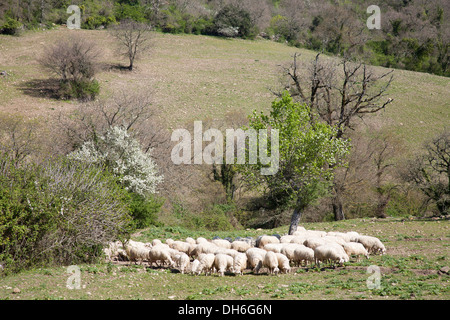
(200, 77)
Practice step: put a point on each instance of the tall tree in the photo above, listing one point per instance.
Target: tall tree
(339, 94)
(309, 151)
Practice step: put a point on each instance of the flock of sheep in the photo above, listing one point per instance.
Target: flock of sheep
(275, 253)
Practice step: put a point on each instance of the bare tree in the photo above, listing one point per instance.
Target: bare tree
(133, 38)
(431, 172)
(339, 93)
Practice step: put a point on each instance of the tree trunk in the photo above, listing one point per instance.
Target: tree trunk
(295, 219)
(338, 208)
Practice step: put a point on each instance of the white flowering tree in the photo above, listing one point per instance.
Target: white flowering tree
(123, 155)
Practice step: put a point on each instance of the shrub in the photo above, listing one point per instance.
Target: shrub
(11, 27)
(74, 62)
(82, 89)
(59, 212)
(144, 210)
(232, 21)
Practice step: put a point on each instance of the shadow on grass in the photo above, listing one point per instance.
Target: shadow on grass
(41, 88)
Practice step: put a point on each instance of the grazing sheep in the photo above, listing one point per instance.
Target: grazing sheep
(286, 238)
(355, 248)
(222, 243)
(182, 246)
(190, 240)
(352, 236)
(156, 242)
(240, 246)
(240, 263)
(255, 256)
(263, 240)
(136, 251)
(298, 239)
(271, 262)
(303, 254)
(204, 247)
(283, 263)
(330, 252)
(314, 242)
(222, 263)
(201, 240)
(182, 261)
(334, 239)
(206, 263)
(372, 244)
(159, 253)
(195, 266)
(274, 247)
(289, 248)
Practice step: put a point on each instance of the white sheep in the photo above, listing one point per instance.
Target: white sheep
(222, 263)
(274, 247)
(352, 236)
(190, 240)
(240, 263)
(286, 238)
(156, 242)
(255, 256)
(206, 263)
(182, 246)
(182, 261)
(283, 263)
(222, 243)
(289, 248)
(334, 239)
(204, 247)
(136, 251)
(271, 262)
(195, 266)
(355, 248)
(330, 252)
(372, 244)
(303, 254)
(263, 240)
(240, 245)
(314, 242)
(159, 253)
(201, 240)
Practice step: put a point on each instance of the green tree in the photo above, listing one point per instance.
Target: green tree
(309, 152)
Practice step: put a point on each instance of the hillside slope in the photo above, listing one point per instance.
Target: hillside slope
(200, 77)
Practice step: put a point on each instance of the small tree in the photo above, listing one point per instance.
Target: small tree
(308, 153)
(133, 38)
(124, 157)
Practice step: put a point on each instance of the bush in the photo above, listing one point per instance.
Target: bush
(232, 21)
(59, 212)
(74, 62)
(79, 89)
(11, 27)
(144, 210)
